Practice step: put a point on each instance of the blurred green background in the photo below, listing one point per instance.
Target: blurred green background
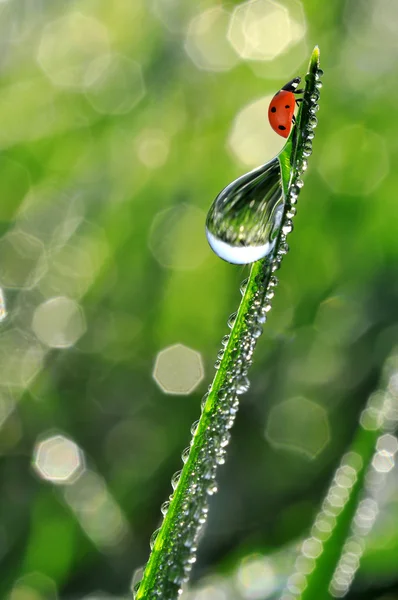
(119, 123)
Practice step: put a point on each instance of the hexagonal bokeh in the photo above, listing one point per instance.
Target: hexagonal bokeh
(22, 260)
(263, 29)
(118, 88)
(251, 139)
(354, 177)
(178, 369)
(68, 48)
(58, 459)
(59, 322)
(298, 425)
(206, 43)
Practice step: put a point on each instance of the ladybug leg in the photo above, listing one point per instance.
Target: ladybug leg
(298, 100)
(301, 91)
(294, 119)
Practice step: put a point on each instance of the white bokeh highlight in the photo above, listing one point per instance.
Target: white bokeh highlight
(58, 459)
(178, 369)
(59, 322)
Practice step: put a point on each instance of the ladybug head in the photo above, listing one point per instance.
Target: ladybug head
(291, 86)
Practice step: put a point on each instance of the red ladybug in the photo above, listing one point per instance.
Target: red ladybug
(281, 108)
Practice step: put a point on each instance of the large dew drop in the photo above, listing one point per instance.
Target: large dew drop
(243, 221)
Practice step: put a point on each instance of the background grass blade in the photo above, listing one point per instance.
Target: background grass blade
(331, 555)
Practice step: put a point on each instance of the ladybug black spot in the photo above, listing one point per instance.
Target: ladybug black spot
(273, 109)
(287, 106)
(281, 127)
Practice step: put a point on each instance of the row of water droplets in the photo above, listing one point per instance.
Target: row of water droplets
(220, 405)
(381, 417)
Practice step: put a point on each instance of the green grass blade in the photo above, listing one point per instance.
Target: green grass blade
(173, 546)
(330, 556)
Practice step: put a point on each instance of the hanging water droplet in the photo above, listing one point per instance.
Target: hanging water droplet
(185, 454)
(244, 219)
(217, 364)
(153, 538)
(243, 286)
(203, 401)
(194, 427)
(313, 122)
(175, 479)
(212, 489)
(220, 354)
(273, 282)
(231, 320)
(225, 340)
(164, 508)
(243, 385)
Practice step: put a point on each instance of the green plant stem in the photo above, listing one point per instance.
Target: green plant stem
(174, 545)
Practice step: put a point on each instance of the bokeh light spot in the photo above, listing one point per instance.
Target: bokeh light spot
(118, 88)
(354, 160)
(59, 322)
(299, 425)
(263, 29)
(96, 510)
(178, 369)
(176, 237)
(21, 358)
(153, 147)
(58, 459)
(34, 586)
(251, 139)
(68, 48)
(22, 260)
(206, 42)
(3, 308)
(256, 578)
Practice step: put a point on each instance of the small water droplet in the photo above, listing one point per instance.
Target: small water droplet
(320, 72)
(185, 454)
(299, 183)
(313, 122)
(273, 282)
(244, 219)
(243, 385)
(153, 538)
(217, 364)
(164, 508)
(231, 320)
(175, 479)
(243, 286)
(194, 427)
(291, 212)
(212, 489)
(220, 354)
(276, 264)
(203, 401)
(318, 84)
(225, 340)
(287, 227)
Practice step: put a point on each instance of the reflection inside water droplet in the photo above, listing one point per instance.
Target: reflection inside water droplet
(243, 221)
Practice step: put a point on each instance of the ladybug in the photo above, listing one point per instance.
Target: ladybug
(281, 108)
